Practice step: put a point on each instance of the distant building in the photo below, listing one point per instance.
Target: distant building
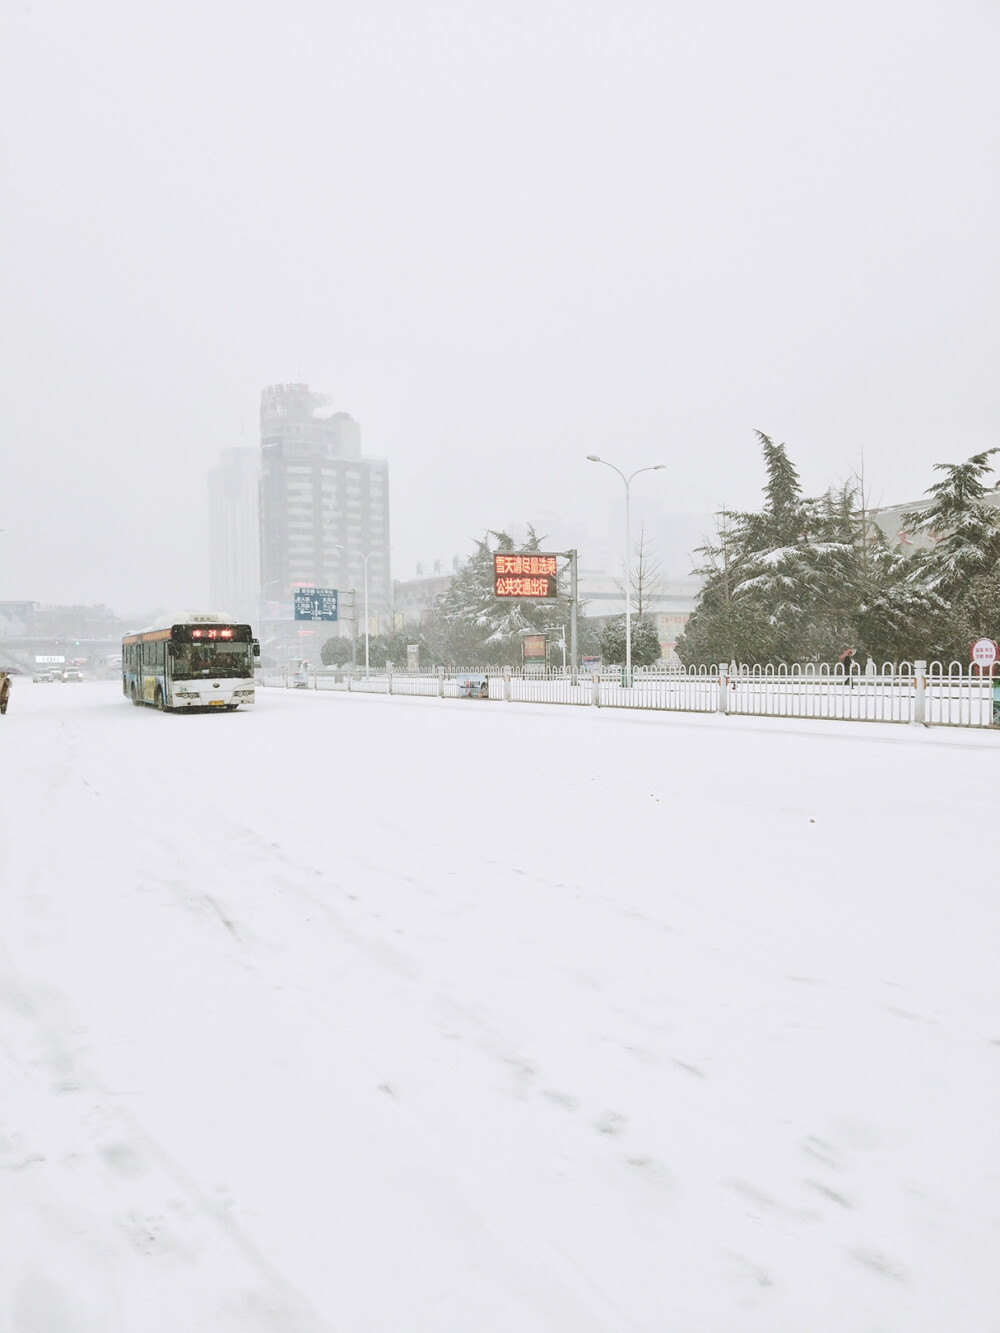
(899, 533)
(17, 619)
(234, 535)
(324, 512)
(414, 599)
(669, 608)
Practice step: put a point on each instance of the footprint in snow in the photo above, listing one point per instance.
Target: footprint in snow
(610, 1122)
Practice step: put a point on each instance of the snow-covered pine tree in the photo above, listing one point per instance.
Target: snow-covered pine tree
(966, 528)
(800, 580)
(645, 641)
(771, 568)
(962, 567)
(898, 619)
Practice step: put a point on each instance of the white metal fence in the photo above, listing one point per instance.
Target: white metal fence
(935, 694)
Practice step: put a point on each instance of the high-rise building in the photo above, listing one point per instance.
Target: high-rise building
(234, 534)
(324, 509)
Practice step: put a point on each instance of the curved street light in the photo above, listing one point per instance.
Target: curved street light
(656, 467)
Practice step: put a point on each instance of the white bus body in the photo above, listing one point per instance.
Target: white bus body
(203, 663)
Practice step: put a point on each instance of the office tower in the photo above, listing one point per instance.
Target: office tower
(324, 509)
(234, 535)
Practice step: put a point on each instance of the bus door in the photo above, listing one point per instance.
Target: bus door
(149, 671)
(146, 681)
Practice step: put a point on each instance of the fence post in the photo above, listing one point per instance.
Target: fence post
(506, 684)
(350, 680)
(723, 689)
(388, 676)
(920, 694)
(595, 688)
(440, 682)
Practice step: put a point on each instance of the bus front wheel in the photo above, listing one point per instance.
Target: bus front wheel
(135, 696)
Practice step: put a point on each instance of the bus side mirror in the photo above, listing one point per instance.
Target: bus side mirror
(170, 650)
(256, 648)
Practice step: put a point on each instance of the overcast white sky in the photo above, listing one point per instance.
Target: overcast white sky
(503, 237)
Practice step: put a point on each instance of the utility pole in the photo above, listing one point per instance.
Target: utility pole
(574, 661)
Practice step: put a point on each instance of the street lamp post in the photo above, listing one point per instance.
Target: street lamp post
(656, 467)
(366, 558)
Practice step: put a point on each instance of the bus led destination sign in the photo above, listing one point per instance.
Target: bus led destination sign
(524, 575)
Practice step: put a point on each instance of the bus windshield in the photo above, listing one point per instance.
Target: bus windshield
(196, 661)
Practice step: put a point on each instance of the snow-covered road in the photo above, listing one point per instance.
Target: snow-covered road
(416, 1016)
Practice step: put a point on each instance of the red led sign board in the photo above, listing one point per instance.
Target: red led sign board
(524, 564)
(524, 576)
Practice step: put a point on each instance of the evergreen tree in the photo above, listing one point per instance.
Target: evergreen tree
(336, 652)
(898, 619)
(760, 575)
(967, 530)
(782, 511)
(645, 641)
(960, 573)
(803, 579)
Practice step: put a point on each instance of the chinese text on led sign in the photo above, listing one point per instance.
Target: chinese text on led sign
(524, 575)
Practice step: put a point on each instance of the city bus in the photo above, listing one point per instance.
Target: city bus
(205, 662)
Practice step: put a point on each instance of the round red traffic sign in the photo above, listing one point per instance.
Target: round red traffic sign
(984, 652)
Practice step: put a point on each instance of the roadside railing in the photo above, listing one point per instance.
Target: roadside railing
(955, 694)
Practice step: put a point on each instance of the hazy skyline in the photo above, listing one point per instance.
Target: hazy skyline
(501, 238)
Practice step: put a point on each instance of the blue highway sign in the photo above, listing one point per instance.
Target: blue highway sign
(315, 603)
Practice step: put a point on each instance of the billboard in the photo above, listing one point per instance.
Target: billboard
(315, 603)
(523, 575)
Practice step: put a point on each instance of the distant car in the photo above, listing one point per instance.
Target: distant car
(71, 673)
(43, 677)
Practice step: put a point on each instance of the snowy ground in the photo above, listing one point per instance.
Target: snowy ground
(417, 1016)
